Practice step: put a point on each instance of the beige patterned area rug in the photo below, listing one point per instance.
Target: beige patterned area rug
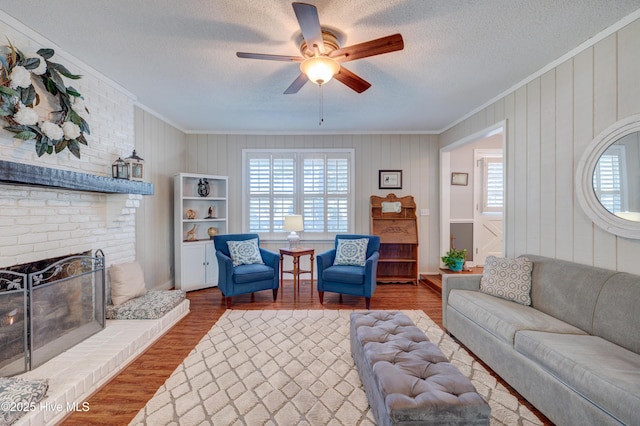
(293, 367)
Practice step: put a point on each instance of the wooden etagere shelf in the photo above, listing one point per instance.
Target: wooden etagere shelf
(394, 220)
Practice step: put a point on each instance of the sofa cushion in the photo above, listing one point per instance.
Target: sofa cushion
(507, 278)
(566, 290)
(127, 282)
(245, 252)
(616, 315)
(152, 305)
(351, 252)
(503, 318)
(252, 273)
(602, 372)
(344, 274)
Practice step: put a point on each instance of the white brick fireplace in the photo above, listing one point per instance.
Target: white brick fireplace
(43, 222)
(38, 222)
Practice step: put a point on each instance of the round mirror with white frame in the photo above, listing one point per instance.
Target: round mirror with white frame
(608, 178)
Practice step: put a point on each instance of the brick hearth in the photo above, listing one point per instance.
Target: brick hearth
(77, 373)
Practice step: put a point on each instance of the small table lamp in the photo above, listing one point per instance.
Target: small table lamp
(293, 223)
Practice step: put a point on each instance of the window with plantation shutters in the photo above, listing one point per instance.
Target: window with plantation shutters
(314, 183)
(492, 184)
(607, 179)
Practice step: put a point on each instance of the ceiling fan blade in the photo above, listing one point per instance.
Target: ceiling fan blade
(369, 48)
(297, 84)
(309, 22)
(270, 57)
(351, 80)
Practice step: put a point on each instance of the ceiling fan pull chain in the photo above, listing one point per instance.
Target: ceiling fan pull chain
(321, 107)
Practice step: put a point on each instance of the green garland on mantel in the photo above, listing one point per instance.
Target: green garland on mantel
(63, 128)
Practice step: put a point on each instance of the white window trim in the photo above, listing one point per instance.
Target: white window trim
(282, 236)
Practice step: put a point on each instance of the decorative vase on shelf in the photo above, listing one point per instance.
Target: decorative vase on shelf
(203, 188)
(213, 231)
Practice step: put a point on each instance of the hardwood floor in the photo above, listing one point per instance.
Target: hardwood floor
(119, 401)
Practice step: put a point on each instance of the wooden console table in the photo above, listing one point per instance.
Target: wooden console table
(296, 253)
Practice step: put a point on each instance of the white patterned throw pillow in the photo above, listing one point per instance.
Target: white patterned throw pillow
(508, 278)
(244, 252)
(351, 252)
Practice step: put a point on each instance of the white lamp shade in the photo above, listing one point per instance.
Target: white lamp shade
(319, 69)
(293, 222)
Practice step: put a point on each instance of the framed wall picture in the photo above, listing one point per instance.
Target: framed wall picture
(459, 178)
(390, 179)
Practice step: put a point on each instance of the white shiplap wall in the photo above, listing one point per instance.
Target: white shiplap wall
(415, 155)
(550, 121)
(163, 148)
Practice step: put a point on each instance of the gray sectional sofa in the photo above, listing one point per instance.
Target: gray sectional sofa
(574, 353)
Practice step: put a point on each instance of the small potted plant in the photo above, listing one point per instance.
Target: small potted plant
(454, 259)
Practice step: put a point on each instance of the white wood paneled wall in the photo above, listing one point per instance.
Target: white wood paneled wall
(163, 149)
(550, 121)
(415, 155)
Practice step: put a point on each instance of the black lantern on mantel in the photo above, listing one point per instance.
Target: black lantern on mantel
(136, 166)
(120, 169)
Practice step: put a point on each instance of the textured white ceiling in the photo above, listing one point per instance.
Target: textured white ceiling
(178, 57)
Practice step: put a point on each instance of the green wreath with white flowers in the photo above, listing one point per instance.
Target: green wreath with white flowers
(19, 75)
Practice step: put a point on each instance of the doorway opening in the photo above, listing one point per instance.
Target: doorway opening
(472, 208)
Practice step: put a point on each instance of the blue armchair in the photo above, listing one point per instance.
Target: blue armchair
(349, 279)
(246, 278)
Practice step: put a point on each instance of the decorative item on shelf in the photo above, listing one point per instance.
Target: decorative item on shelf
(136, 166)
(191, 214)
(25, 79)
(203, 187)
(213, 231)
(210, 215)
(191, 234)
(120, 169)
(293, 223)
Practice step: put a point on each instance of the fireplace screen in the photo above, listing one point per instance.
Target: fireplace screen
(46, 312)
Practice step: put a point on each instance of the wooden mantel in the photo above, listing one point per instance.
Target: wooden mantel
(27, 174)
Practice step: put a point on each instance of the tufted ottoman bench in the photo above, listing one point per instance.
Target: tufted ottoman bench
(407, 379)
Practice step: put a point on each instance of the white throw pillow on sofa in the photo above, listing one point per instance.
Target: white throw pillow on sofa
(507, 278)
(127, 282)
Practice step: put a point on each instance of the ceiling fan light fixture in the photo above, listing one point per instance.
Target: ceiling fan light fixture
(319, 69)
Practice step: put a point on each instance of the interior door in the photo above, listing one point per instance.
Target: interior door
(489, 204)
